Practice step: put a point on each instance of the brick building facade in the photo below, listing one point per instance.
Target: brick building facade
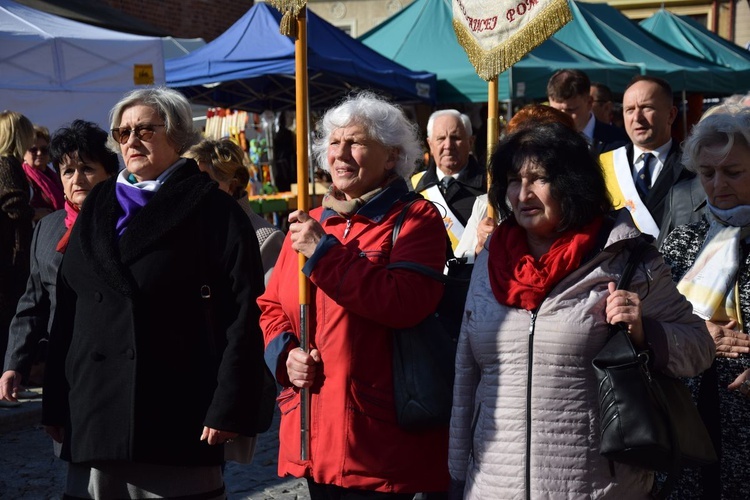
(186, 18)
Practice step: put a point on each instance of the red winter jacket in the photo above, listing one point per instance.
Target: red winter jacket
(355, 302)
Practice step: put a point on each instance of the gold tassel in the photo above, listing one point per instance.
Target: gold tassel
(288, 25)
(489, 64)
(290, 10)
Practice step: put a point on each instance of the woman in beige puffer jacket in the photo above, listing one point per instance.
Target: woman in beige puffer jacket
(525, 420)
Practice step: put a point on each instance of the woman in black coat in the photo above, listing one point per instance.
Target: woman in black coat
(156, 356)
(79, 152)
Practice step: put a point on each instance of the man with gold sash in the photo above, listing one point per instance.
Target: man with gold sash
(455, 178)
(641, 175)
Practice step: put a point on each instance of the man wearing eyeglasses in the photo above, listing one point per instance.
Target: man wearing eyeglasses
(569, 90)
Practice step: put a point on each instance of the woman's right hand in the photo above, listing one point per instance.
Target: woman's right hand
(729, 343)
(302, 367)
(10, 383)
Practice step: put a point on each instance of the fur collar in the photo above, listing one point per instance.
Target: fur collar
(177, 200)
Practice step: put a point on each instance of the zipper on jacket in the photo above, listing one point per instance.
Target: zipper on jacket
(348, 227)
(532, 325)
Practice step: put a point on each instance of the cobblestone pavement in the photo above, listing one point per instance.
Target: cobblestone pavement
(29, 470)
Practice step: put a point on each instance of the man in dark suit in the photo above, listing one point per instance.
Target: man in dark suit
(642, 175)
(569, 90)
(454, 178)
(602, 102)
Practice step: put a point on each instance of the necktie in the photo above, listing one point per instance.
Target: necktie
(643, 179)
(446, 182)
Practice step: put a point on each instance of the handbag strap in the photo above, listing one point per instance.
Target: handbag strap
(636, 256)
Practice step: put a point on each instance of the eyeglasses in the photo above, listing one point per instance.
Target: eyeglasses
(142, 132)
(43, 150)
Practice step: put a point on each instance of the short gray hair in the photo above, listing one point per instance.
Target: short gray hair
(170, 105)
(719, 131)
(450, 112)
(382, 121)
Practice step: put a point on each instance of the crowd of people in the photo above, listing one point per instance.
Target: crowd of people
(114, 281)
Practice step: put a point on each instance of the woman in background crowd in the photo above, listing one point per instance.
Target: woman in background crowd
(357, 449)
(45, 182)
(525, 421)
(157, 289)
(16, 136)
(480, 227)
(79, 152)
(224, 161)
(710, 261)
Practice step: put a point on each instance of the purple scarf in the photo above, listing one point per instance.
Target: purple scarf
(132, 200)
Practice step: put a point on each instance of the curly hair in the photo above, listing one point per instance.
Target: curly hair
(575, 176)
(384, 122)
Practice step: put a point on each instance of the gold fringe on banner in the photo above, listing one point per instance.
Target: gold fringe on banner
(290, 10)
(489, 64)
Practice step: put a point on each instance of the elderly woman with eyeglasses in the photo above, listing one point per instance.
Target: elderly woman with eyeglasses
(47, 190)
(155, 357)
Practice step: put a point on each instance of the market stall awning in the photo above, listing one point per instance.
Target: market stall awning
(687, 35)
(251, 67)
(604, 33)
(421, 37)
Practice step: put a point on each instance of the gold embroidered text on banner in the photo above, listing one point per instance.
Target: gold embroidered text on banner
(497, 33)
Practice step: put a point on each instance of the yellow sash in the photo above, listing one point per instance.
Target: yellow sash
(452, 225)
(621, 188)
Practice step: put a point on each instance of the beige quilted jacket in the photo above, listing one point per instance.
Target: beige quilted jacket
(525, 422)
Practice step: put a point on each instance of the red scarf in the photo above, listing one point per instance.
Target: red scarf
(71, 213)
(519, 280)
(47, 184)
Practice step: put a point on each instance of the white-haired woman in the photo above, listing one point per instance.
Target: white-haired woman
(357, 450)
(155, 353)
(710, 261)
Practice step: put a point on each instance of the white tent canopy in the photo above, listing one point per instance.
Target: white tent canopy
(54, 70)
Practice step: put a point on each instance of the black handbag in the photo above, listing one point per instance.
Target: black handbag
(424, 354)
(647, 419)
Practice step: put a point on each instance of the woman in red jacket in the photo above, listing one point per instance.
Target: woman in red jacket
(357, 450)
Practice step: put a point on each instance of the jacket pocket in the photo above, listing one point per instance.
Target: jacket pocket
(372, 402)
(288, 400)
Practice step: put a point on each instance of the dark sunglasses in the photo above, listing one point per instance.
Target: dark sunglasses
(43, 150)
(142, 132)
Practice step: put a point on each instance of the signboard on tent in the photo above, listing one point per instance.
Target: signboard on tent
(497, 33)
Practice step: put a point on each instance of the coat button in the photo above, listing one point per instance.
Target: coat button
(98, 296)
(97, 356)
(130, 353)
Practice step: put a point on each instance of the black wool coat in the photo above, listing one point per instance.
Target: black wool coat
(139, 362)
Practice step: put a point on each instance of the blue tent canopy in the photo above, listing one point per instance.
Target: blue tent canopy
(421, 37)
(251, 67)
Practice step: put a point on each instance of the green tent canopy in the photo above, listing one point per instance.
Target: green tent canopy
(421, 37)
(687, 35)
(602, 32)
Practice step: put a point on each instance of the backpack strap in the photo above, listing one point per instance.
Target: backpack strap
(417, 267)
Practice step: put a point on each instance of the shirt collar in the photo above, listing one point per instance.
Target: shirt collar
(588, 130)
(660, 153)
